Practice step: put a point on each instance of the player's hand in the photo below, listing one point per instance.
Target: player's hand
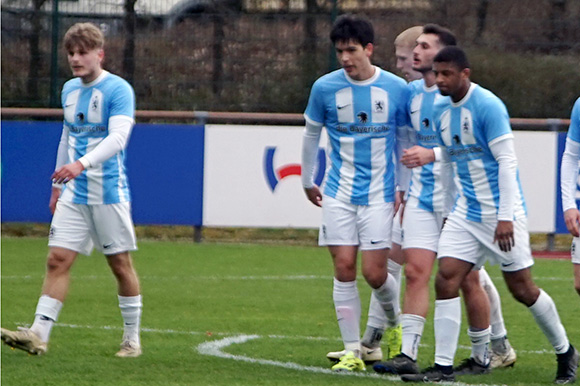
(504, 235)
(572, 217)
(54, 195)
(417, 156)
(314, 195)
(67, 172)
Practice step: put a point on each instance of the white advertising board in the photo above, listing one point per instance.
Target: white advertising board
(250, 178)
(537, 153)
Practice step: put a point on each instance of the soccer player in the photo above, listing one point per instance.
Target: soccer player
(488, 221)
(427, 206)
(377, 321)
(90, 197)
(568, 181)
(364, 110)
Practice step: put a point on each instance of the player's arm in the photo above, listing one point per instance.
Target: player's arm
(119, 130)
(504, 153)
(310, 141)
(568, 178)
(450, 189)
(61, 160)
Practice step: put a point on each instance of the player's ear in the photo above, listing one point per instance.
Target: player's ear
(466, 73)
(369, 48)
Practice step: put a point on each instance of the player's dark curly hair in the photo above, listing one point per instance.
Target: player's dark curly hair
(453, 55)
(352, 27)
(446, 37)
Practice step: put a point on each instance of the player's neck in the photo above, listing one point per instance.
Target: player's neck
(92, 76)
(461, 92)
(366, 73)
(429, 78)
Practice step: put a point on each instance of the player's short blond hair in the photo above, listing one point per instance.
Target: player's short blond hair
(84, 35)
(408, 37)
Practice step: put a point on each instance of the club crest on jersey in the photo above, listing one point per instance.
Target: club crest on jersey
(274, 176)
(378, 106)
(362, 117)
(425, 123)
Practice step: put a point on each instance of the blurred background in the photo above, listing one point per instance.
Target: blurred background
(263, 55)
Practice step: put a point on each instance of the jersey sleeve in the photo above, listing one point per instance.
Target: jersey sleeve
(123, 101)
(496, 120)
(574, 129)
(315, 111)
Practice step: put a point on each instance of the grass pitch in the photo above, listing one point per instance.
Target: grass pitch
(233, 314)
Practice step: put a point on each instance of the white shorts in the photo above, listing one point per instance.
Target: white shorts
(422, 228)
(575, 251)
(79, 228)
(397, 234)
(368, 226)
(473, 242)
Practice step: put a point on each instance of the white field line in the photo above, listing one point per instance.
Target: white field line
(230, 334)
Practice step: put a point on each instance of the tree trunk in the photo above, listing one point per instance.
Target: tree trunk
(129, 50)
(35, 64)
(481, 19)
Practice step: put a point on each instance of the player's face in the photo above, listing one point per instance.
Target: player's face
(450, 80)
(427, 47)
(84, 63)
(355, 59)
(404, 57)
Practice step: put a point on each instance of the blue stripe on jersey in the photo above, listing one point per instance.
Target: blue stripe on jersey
(428, 183)
(110, 185)
(335, 165)
(362, 176)
(574, 129)
(81, 183)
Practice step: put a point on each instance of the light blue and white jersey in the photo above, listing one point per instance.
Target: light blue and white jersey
(466, 130)
(87, 109)
(362, 119)
(574, 129)
(426, 185)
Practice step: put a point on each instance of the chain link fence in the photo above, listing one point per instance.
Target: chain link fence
(263, 55)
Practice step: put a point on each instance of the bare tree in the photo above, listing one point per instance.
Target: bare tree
(35, 54)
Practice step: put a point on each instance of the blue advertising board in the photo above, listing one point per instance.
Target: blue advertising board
(164, 166)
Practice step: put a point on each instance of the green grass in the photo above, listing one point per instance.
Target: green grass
(197, 294)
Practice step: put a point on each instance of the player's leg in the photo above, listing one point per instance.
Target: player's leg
(478, 310)
(115, 236)
(69, 235)
(338, 232)
(516, 271)
(577, 277)
(502, 353)
(421, 236)
(576, 262)
(459, 251)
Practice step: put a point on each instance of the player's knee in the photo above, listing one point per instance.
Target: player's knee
(525, 294)
(57, 261)
(416, 275)
(445, 285)
(374, 278)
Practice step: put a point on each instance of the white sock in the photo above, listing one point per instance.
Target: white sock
(395, 269)
(376, 323)
(447, 325)
(547, 318)
(46, 314)
(412, 332)
(131, 313)
(388, 298)
(498, 329)
(480, 345)
(347, 306)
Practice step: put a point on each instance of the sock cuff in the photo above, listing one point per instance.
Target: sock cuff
(393, 266)
(478, 334)
(541, 305)
(344, 284)
(48, 307)
(130, 301)
(412, 318)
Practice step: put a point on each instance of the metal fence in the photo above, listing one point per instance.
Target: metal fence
(263, 55)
